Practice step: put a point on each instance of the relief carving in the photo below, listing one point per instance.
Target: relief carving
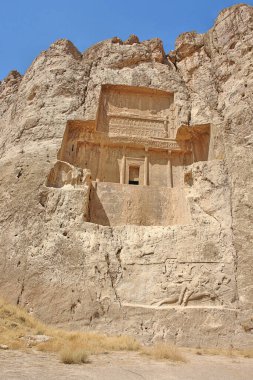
(134, 106)
(194, 283)
(63, 174)
(130, 129)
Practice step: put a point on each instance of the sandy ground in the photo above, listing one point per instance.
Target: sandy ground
(122, 366)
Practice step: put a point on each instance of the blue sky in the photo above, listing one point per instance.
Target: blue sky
(28, 26)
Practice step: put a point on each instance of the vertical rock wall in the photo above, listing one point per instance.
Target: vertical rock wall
(190, 284)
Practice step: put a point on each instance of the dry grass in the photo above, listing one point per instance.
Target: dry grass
(16, 324)
(92, 343)
(73, 356)
(228, 352)
(164, 351)
(247, 353)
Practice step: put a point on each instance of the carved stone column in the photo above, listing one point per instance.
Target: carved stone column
(123, 168)
(100, 163)
(169, 170)
(145, 180)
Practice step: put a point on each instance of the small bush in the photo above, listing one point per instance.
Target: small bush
(164, 351)
(70, 356)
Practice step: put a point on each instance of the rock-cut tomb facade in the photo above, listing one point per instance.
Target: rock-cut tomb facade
(135, 155)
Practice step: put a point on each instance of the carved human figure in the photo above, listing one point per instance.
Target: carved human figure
(74, 176)
(193, 283)
(196, 287)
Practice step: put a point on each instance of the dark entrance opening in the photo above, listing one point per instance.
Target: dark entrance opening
(134, 173)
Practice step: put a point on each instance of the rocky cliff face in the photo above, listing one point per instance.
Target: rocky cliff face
(191, 284)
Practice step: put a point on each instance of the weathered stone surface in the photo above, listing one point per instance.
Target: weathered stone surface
(3, 347)
(133, 39)
(189, 283)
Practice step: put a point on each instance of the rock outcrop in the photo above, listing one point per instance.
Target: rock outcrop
(189, 283)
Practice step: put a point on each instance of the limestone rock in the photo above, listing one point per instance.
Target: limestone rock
(133, 39)
(3, 347)
(187, 44)
(117, 40)
(188, 282)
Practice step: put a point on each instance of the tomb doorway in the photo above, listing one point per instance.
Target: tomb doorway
(134, 175)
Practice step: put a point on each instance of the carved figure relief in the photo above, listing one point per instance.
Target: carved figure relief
(195, 283)
(63, 174)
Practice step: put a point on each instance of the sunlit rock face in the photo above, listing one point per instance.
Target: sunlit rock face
(126, 186)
